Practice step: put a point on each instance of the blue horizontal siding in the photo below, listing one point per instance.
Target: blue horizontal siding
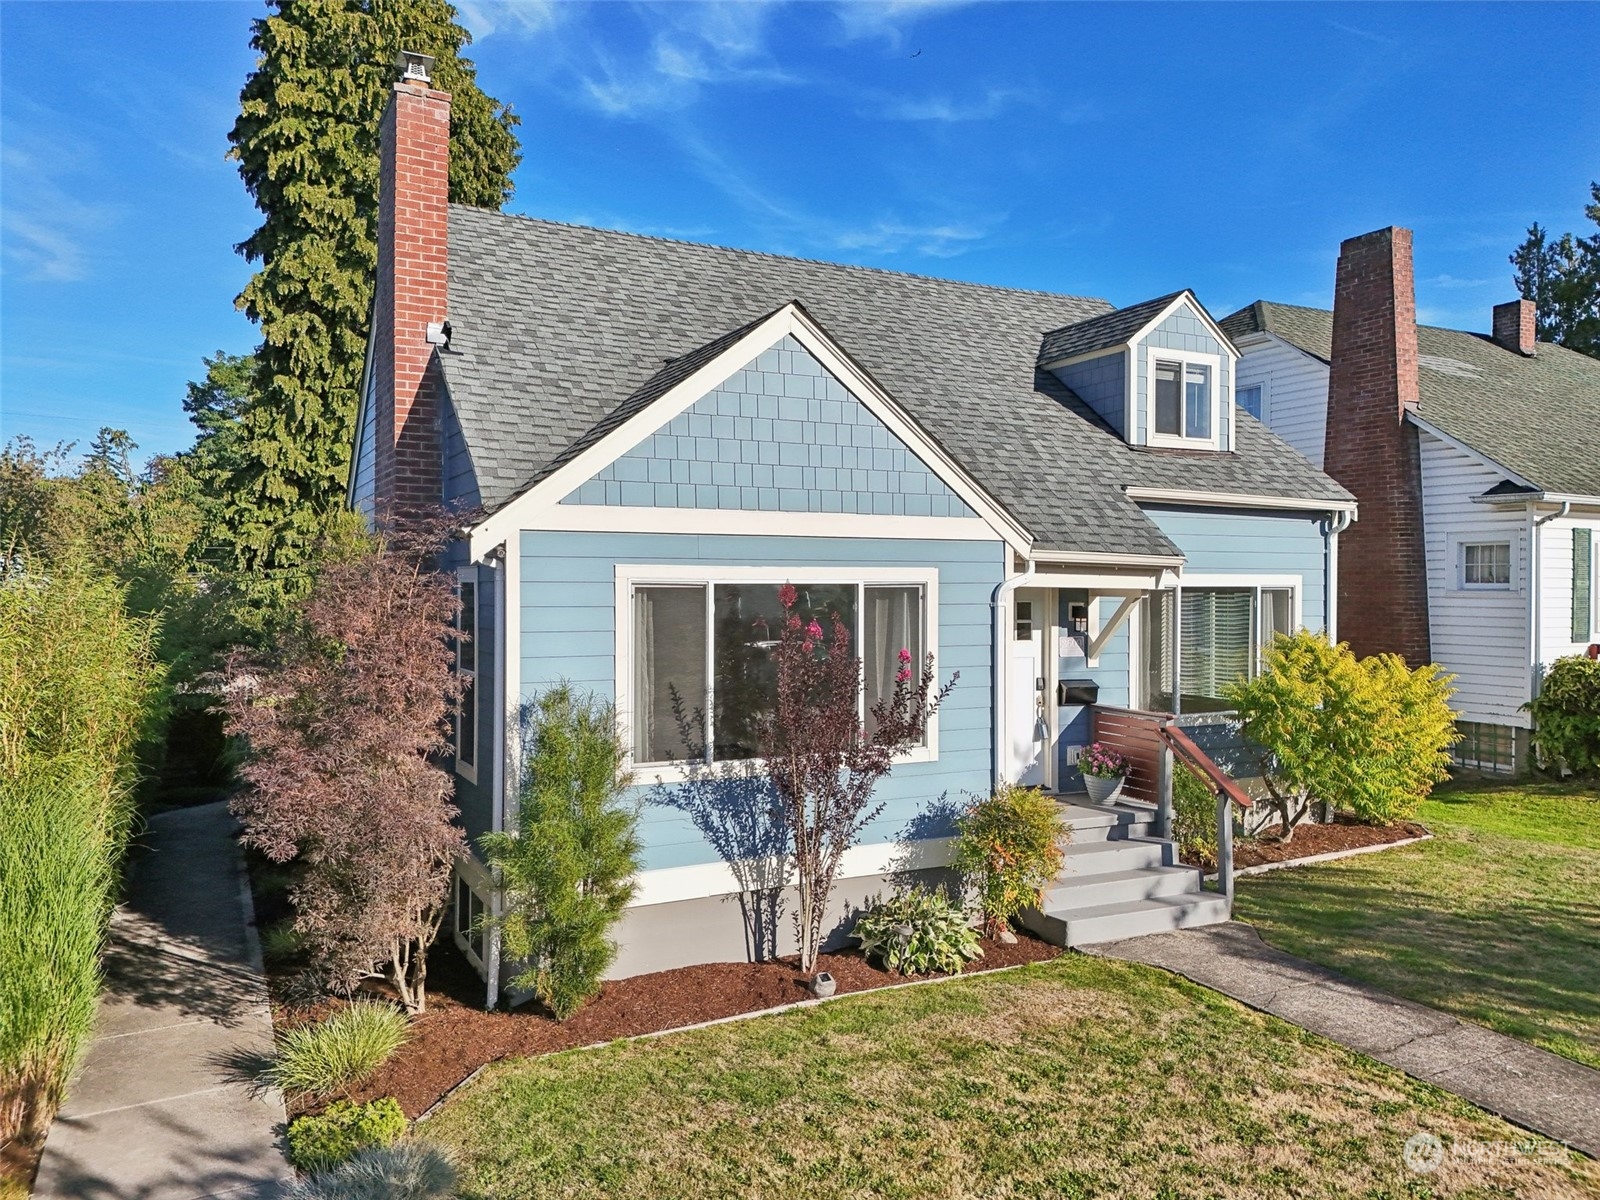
(568, 617)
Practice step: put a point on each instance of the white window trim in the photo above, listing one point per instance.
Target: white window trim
(1213, 362)
(469, 770)
(1458, 559)
(1266, 395)
(469, 873)
(629, 576)
(1294, 584)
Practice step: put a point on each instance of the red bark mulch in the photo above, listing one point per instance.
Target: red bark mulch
(1343, 833)
(456, 1036)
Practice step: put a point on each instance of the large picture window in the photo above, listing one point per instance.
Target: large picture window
(703, 667)
(1220, 634)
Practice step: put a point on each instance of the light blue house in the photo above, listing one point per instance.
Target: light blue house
(1056, 499)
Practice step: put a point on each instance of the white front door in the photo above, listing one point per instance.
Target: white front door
(1028, 738)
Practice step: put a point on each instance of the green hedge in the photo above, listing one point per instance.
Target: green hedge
(322, 1142)
(1567, 716)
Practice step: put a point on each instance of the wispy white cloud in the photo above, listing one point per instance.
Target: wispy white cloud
(887, 20)
(1363, 34)
(1450, 283)
(948, 109)
(45, 229)
(516, 18)
(936, 240)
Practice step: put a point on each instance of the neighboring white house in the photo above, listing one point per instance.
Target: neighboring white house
(1507, 442)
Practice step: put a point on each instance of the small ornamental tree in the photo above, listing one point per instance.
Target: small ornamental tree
(820, 762)
(342, 722)
(567, 871)
(1368, 735)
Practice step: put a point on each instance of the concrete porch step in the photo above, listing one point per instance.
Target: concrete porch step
(1116, 887)
(1082, 859)
(1106, 822)
(1131, 918)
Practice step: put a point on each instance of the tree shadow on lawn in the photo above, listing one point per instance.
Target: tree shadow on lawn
(1527, 965)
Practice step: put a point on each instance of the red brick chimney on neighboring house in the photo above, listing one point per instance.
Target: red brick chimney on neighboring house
(1372, 450)
(411, 301)
(1515, 327)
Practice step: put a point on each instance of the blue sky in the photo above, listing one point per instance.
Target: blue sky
(1117, 151)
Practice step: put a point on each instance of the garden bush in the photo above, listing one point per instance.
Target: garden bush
(79, 690)
(1367, 735)
(330, 1056)
(1009, 849)
(568, 868)
(1194, 816)
(917, 932)
(407, 1170)
(322, 1142)
(1566, 715)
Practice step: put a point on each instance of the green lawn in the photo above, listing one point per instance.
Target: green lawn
(1082, 1077)
(1496, 919)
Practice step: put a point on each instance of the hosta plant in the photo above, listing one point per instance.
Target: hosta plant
(917, 932)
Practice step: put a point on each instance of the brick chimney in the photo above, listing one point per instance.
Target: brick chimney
(1372, 450)
(1515, 328)
(411, 294)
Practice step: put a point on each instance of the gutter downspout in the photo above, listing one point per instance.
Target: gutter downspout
(1535, 633)
(1340, 522)
(1002, 664)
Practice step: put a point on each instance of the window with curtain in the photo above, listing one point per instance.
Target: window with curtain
(675, 639)
(1222, 633)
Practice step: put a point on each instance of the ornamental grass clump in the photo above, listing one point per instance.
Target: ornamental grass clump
(917, 932)
(407, 1170)
(337, 1054)
(1009, 848)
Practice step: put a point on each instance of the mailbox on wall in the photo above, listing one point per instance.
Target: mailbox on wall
(1070, 692)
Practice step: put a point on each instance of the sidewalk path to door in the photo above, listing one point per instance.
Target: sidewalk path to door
(1531, 1087)
(163, 1108)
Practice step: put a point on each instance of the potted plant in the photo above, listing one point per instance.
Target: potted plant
(1104, 769)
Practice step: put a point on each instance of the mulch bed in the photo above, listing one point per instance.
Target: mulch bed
(456, 1036)
(1343, 833)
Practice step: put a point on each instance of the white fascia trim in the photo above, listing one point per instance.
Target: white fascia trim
(606, 518)
(1554, 499)
(669, 884)
(630, 575)
(1091, 558)
(1130, 584)
(1471, 452)
(534, 509)
(1153, 495)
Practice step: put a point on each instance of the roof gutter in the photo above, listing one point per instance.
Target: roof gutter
(1513, 498)
(1152, 495)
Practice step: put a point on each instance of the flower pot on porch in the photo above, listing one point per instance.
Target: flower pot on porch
(1103, 789)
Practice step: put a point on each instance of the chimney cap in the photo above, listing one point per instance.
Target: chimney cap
(414, 67)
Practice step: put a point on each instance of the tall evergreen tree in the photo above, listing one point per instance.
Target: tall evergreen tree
(1562, 278)
(307, 142)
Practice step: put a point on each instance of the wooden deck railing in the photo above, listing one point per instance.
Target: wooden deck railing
(1151, 741)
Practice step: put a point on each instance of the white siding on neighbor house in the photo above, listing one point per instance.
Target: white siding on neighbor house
(1555, 586)
(1294, 391)
(1479, 636)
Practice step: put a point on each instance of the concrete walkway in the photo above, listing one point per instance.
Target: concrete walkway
(1531, 1087)
(163, 1108)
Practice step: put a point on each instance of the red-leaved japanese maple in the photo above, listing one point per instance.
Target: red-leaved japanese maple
(821, 762)
(341, 722)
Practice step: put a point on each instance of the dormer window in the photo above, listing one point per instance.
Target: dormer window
(1183, 400)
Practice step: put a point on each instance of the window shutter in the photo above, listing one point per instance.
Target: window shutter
(1582, 584)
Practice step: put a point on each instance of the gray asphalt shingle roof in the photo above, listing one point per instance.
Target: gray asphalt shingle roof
(1102, 332)
(556, 326)
(1538, 417)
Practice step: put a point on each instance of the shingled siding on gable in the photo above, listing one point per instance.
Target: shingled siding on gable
(781, 435)
(569, 633)
(1101, 383)
(1182, 330)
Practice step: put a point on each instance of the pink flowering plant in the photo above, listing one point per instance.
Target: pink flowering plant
(821, 760)
(1103, 761)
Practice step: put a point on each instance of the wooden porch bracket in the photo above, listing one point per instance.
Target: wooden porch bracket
(1118, 619)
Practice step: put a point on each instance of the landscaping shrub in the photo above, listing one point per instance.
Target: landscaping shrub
(404, 1171)
(1009, 848)
(330, 1056)
(568, 868)
(917, 932)
(279, 942)
(322, 1142)
(1194, 816)
(1566, 714)
(78, 690)
(1367, 735)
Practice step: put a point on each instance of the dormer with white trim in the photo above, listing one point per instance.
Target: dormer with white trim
(1159, 373)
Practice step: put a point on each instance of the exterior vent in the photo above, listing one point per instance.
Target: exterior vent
(414, 67)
